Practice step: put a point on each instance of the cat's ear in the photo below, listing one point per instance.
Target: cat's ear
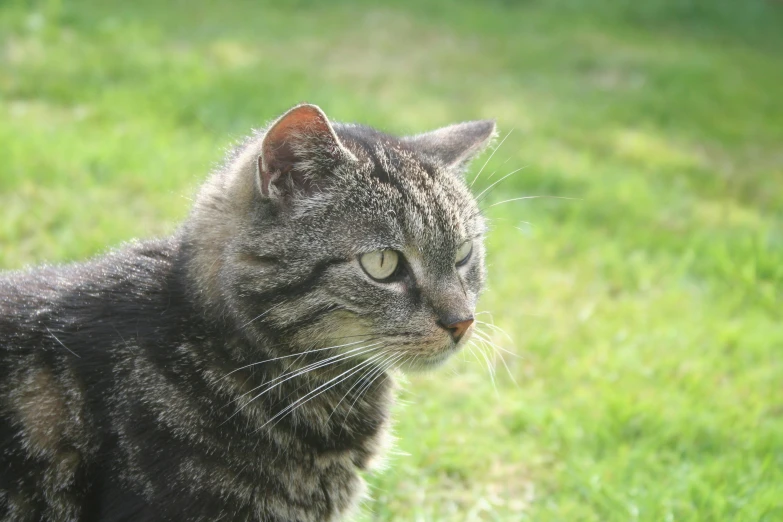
(454, 146)
(297, 150)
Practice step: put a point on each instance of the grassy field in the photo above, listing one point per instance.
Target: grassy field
(647, 313)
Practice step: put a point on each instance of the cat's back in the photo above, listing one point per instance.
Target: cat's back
(44, 299)
(78, 319)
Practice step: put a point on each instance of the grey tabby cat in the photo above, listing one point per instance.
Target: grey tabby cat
(241, 370)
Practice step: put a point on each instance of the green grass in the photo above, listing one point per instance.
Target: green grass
(646, 313)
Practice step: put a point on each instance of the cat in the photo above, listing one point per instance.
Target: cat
(243, 368)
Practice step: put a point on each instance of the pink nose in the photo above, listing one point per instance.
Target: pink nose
(458, 328)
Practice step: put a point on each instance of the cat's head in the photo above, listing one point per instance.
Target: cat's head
(321, 235)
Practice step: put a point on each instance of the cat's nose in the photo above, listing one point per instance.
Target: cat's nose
(456, 328)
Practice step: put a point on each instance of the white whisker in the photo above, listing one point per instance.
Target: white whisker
(472, 344)
(291, 375)
(367, 374)
(498, 181)
(309, 396)
(508, 370)
(262, 314)
(294, 355)
(490, 157)
(381, 370)
(497, 329)
(485, 337)
(498, 352)
(497, 169)
(490, 369)
(314, 365)
(530, 197)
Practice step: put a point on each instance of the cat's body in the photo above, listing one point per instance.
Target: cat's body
(157, 419)
(239, 370)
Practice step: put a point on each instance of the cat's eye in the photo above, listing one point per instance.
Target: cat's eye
(380, 264)
(463, 253)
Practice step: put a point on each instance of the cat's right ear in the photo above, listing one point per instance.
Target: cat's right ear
(456, 145)
(297, 151)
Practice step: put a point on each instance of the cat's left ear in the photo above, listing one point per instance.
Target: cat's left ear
(456, 145)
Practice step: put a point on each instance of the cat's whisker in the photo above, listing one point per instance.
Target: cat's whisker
(319, 364)
(480, 211)
(496, 328)
(360, 364)
(508, 370)
(490, 368)
(361, 377)
(490, 157)
(531, 197)
(463, 357)
(309, 351)
(262, 314)
(371, 376)
(478, 350)
(292, 355)
(299, 371)
(309, 396)
(370, 371)
(497, 169)
(383, 367)
(499, 352)
(494, 347)
(472, 344)
(478, 198)
(483, 335)
(331, 339)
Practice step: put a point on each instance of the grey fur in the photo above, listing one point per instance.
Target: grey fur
(243, 368)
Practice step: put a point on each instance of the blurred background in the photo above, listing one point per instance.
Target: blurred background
(645, 313)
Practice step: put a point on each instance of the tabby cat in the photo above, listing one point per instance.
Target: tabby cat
(242, 369)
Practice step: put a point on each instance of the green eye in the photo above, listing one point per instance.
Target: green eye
(380, 264)
(463, 253)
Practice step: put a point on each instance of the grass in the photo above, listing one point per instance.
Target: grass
(646, 313)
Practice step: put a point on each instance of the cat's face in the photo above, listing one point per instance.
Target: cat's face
(361, 241)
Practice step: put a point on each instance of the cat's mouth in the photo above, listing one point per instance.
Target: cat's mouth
(429, 355)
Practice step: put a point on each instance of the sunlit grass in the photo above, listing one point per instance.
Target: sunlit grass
(646, 311)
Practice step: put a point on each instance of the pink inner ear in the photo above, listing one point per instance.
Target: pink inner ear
(297, 120)
(277, 155)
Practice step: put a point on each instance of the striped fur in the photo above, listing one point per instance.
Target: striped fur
(241, 369)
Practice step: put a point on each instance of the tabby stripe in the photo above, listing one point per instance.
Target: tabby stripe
(310, 318)
(382, 176)
(299, 289)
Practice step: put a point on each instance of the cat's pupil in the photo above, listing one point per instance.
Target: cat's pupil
(381, 264)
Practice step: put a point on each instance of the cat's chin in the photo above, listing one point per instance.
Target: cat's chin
(430, 362)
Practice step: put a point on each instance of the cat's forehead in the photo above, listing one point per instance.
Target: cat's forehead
(415, 200)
